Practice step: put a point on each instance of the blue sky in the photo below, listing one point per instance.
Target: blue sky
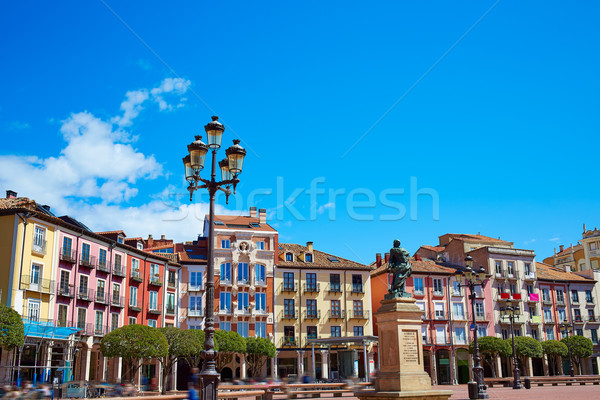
(97, 107)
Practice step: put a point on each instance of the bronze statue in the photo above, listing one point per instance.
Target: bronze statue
(399, 265)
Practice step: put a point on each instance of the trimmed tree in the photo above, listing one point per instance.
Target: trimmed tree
(581, 347)
(491, 347)
(258, 350)
(134, 343)
(228, 343)
(554, 349)
(181, 345)
(526, 346)
(195, 337)
(12, 330)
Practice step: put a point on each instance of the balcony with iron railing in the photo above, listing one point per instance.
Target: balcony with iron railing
(119, 270)
(170, 309)
(438, 293)
(85, 329)
(312, 314)
(289, 287)
(85, 260)
(155, 280)
(288, 314)
(135, 304)
(483, 316)
(529, 276)
(289, 341)
(37, 284)
(560, 302)
(155, 309)
(261, 311)
(440, 316)
(117, 301)
(85, 294)
(312, 287)
(359, 314)
(456, 292)
(336, 314)
(66, 290)
(195, 313)
(195, 287)
(334, 288)
(101, 330)
(418, 293)
(357, 289)
(546, 301)
(68, 255)
(39, 247)
(135, 275)
(578, 319)
(171, 284)
(514, 275)
(101, 297)
(459, 317)
(103, 266)
(499, 274)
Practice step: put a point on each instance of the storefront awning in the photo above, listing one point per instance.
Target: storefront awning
(47, 330)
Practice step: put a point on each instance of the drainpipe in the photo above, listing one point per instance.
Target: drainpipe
(25, 220)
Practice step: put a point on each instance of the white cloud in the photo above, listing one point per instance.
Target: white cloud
(554, 239)
(18, 126)
(97, 164)
(324, 207)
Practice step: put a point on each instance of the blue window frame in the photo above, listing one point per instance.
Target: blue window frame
(242, 301)
(225, 326)
(261, 301)
(261, 329)
(225, 301)
(242, 272)
(259, 273)
(196, 279)
(226, 272)
(242, 329)
(225, 244)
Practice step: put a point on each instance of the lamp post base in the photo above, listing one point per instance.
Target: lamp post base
(209, 384)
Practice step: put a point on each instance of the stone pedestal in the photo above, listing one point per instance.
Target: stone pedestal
(401, 374)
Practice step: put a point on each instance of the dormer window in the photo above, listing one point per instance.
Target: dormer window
(120, 239)
(140, 246)
(289, 257)
(308, 257)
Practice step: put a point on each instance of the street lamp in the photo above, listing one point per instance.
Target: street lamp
(511, 312)
(471, 280)
(230, 167)
(567, 328)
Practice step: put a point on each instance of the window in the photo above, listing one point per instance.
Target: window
(116, 290)
(424, 333)
(357, 308)
(311, 282)
(100, 285)
(85, 252)
(534, 334)
(195, 306)
(260, 329)
(530, 289)
(289, 334)
(98, 323)
(171, 278)
(577, 315)
(67, 246)
(242, 272)
(418, 284)
(574, 296)
(81, 314)
(226, 272)
(335, 308)
(39, 239)
(336, 331)
(225, 326)
(135, 268)
(527, 269)
(311, 332)
(260, 245)
(517, 332)
(132, 320)
(358, 331)
(64, 282)
(140, 246)
(83, 285)
(357, 286)
(311, 308)
(133, 292)
(288, 308)
(440, 335)
(288, 281)
(259, 273)
(437, 287)
(588, 296)
(460, 336)
(545, 294)
(498, 267)
(549, 334)
(560, 296)
(261, 301)
(36, 276)
(456, 288)
(242, 301)
(120, 239)
(152, 323)
(421, 306)
(242, 329)
(479, 311)
(102, 258)
(510, 267)
(195, 280)
(153, 300)
(225, 303)
(114, 321)
(481, 331)
(513, 288)
(591, 316)
(334, 283)
(439, 310)
(594, 333)
(289, 257)
(171, 303)
(504, 334)
(308, 257)
(532, 311)
(62, 315)
(225, 244)
(547, 315)
(154, 272)
(458, 310)
(118, 261)
(562, 315)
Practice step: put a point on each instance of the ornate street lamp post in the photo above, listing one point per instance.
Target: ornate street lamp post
(511, 312)
(231, 167)
(471, 280)
(567, 328)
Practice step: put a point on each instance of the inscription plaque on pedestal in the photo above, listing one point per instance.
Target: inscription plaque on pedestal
(410, 348)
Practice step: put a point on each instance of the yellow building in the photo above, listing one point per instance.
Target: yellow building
(323, 315)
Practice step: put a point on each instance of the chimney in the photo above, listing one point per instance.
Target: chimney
(387, 257)
(149, 237)
(309, 247)
(253, 212)
(262, 215)
(11, 194)
(417, 257)
(162, 237)
(583, 224)
(562, 248)
(378, 259)
(150, 241)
